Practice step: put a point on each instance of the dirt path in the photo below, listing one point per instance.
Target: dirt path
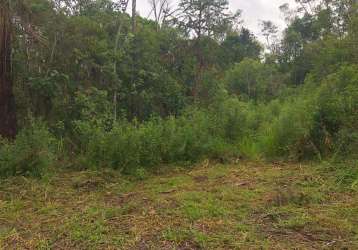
(245, 206)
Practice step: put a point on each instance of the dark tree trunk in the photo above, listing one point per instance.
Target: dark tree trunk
(7, 102)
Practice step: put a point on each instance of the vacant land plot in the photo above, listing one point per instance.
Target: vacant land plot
(243, 206)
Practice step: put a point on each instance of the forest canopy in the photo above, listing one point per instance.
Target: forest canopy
(86, 83)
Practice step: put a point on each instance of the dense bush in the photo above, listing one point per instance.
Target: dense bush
(195, 135)
(317, 122)
(31, 153)
(338, 112)
(289, 134)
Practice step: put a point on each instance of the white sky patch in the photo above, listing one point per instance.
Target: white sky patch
(253, 12)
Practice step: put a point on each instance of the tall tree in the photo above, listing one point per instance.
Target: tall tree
(161, 10)
(8, 122)
(269, 31)
(204, 20)
(13, 14)
(205, 17)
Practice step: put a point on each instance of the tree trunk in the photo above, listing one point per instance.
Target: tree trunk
(8, 120)
(134, 13)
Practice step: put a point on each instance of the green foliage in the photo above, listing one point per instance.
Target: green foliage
(205, 18)
(289, 133)
(252, 79)
(32, 153)
(238, 46)
(131, 145)
(319, 121)
(161, 95)
(338, 117)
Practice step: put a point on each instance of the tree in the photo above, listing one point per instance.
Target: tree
(307, 6)
(253, 79)
(314, 26)
(210, 18)
(269, 31)
(161, 10)
(240, 45)
(134, 14)
(8, 122)
(13, 14)
(204, 20)
(297, 36)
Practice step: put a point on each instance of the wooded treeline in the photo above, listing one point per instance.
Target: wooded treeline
(191, 83)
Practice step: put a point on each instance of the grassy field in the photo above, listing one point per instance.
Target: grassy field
(238, 206)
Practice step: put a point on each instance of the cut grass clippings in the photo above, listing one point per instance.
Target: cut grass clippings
(243, 206)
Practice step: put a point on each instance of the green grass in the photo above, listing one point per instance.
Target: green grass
(242, 206)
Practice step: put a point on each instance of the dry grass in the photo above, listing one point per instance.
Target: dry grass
(243, 206)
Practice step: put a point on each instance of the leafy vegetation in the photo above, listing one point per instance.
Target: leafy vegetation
(173, 92)
(32, 153)
(103, 107)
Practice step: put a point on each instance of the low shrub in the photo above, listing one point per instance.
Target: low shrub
(31, 153)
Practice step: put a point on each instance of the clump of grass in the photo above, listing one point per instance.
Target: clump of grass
(197, 205)
(89, 227)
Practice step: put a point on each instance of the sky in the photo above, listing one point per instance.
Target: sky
(253, 11)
